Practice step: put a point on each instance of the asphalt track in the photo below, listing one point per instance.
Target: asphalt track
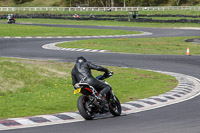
(179, 118)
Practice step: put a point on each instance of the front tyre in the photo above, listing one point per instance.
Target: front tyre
(82, 107)
(115, 106)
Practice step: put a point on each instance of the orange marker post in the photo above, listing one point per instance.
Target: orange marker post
(188, 51)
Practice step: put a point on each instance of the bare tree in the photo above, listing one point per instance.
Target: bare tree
(112, 3)
(178, 2)
(101, 1)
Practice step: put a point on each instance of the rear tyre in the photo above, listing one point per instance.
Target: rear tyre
(82, 103)
(115, 106)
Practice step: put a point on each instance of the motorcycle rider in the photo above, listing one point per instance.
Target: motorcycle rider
(11, 17)
(82, 72)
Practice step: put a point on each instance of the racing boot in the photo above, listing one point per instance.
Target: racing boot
(104, 102)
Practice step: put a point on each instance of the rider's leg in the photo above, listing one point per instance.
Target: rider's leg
(103, 92)
(101, 95)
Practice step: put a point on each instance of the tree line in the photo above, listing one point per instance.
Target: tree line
(118, 3)
(132, 3)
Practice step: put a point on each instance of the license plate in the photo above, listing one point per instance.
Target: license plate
(77, 90)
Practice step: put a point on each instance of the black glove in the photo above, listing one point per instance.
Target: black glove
(108, 74)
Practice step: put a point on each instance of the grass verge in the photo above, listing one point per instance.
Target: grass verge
(28, 30)
(163, 45)
(33, 87)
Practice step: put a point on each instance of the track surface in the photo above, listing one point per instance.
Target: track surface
(179, 118)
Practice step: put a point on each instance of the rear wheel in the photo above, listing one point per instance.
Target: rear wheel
(83, 108)
(115, 106)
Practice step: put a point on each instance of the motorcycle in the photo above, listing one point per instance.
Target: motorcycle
(11, 20)
(89, 104)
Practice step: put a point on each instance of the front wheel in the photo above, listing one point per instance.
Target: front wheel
(115, 106)
(83, 109)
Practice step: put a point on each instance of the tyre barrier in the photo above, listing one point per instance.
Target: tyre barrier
(166, 21)
(193, 40)
(170, 15)
(109, 17)
(99, 16)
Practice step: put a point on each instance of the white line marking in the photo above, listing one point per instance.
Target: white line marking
(100, 36)
(23, 121)
(128, 106)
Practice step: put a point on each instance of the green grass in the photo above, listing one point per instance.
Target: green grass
(163, 45)
(26, 30)
(33, 3)
(33, 87)
(104, 23)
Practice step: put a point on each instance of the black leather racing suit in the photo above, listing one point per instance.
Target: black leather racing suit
(82, 70)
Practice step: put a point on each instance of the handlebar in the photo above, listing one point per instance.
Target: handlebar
(106, 75)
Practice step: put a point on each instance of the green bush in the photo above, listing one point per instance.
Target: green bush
(21, 1)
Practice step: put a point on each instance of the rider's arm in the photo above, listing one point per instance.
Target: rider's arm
(74, 80)
(98, 68)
